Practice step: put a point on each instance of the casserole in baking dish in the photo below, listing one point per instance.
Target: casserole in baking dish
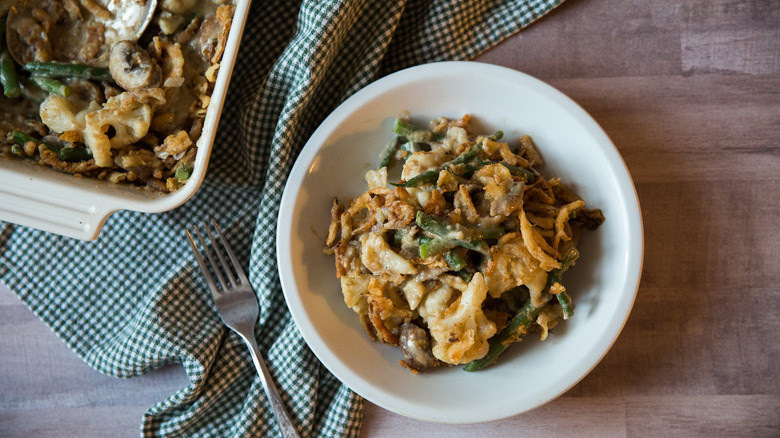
(110, 122)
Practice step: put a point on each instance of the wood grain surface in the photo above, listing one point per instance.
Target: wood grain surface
(689, 91)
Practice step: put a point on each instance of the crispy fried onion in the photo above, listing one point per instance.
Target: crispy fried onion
(169, 55)
(333, 228)
(174, 145)
(347, 258)
(436, 203)
(537, 246)
(464, 203)
(505, 194)
(225, 19)
(529, 152)
(562, 228)
(502, 150)
(378, 207)
(383, 313)
(548, 318)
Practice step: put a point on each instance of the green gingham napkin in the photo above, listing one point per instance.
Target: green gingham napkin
(134, 300)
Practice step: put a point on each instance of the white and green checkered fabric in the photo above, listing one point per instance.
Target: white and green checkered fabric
(134, 299)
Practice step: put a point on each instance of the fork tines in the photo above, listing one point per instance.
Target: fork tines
(228, 276)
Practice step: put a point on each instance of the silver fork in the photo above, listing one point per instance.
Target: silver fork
(237, 306)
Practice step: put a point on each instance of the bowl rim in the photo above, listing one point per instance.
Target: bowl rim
(364, 96)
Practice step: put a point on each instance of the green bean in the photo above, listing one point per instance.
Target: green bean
(431, 176)
(555, 277)
(8, 76)
(402, 238)
(499, 343)
(389, 152)
(437, 227)
(411, 132)
(69, 154)
(479, 246)
(21, 138)
(74, 154)
(444, 230)
(412, 147)
(65, 70)
(465, 275)
(488, 232)
(471, 154)
(522, 319)
(498, 135)
(50, 85)
(54, 148)
(431, 247)
(428, 177)
(183, 172)
(455, 259)
(527, 175)
(566, 261)
(465, 156)
(404, 128)
(565, 301)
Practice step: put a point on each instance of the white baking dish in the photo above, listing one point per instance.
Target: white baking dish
(46, 199)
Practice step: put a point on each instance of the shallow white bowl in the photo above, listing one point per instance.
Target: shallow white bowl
(43, 198)
(603, 284)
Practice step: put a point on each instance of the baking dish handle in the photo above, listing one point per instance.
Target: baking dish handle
(53, 214)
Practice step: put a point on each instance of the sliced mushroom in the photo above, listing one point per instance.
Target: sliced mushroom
(208, 37)
(132, 67)
(416, 347)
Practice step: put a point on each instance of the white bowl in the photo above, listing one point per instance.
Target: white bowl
(603, 284)
(48, 200)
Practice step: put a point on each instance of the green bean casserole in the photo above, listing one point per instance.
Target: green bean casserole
(464, 255)
(85, 95)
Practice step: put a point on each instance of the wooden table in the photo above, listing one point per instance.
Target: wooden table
(689, 91)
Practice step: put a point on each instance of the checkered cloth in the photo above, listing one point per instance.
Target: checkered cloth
(134, 300)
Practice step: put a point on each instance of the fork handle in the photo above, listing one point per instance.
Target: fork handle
(283, 418)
